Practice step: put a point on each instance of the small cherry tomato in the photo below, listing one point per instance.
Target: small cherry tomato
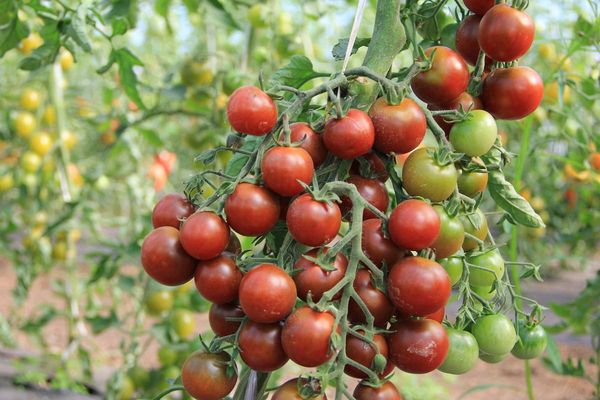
(351, 136)
(251, 111)
(414, 225)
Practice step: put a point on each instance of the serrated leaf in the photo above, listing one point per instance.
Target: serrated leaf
(77, 30)
(339, 50)
(126, 61)
(296, 73)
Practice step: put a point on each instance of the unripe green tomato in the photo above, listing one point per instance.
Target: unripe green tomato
(285, 24)
(492, 359)
(454, 268)
(102, 183)
(261, 54)
(463, 352)
(139, 376)
(184, 324)
(474, 136)
(452, 234)
(532, 343)
(484, 292)
(476, 225)
(493, 263)
(495, 334)
(159, 302)
(127, 389)
(167, 356)
(258, 15)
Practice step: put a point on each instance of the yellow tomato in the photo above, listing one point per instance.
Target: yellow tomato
(7, 182)
(74, 175)
(526, 193)
(258, 15)
(66, 59)
(551, 93)
(547, 51)
(30, 99)
(30, 43)
(535, 233)
(25, 124)
(159, 302)
(48, 166)
(69, 140)
(573, 174)
(40, 218)
(537, 203)
(184, 324)
(594, 160)
(30, 180)
(221, 102)
(41, 143)
(127, 389)
(194, 73)
(60, 250)
(30, 162)
(49, 115)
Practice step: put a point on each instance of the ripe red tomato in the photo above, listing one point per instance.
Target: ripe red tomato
(306, 335)
(376, 246)
(376, 168)
(312, 142)
(316, 280)
(171, 210)
(479, 7)
(512, 93)
(464, 101)
(218, 279)
(260, 346)
(218, 318)
(267, 293)
(398, 128)
(452, 234)
(282, 167)
(387, 391)
(164, 259)
(423, 176)
(445, 81)
(351, 136)
(372, 190)
(291, 390)
(376, 301)
(251, 210)
(204, 375)
(467, 44)
(204, 235)
(418, 286)
(311, 222)
(414, 225)
(418, 346)
(364, 353)
(251, 111)
(506, 33)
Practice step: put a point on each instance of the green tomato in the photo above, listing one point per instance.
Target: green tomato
(454, 268)
(475, 224)
(495, 334)
(184, 324)
(452, 234)
(159, 302)
(494, 264)
(491, 359)
(127, 389)
(139, 376)
(423, 176)
(476, 135)
(167, 356)
(258, 15)
(462, 353)
(532, 342)
(285, 24)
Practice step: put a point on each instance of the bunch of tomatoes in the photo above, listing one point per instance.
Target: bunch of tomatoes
(352, 263)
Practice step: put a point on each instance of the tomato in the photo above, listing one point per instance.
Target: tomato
(312, 142)
(159, 302)
(376, 301)
(506, 33)
(376, 246)
(260, 346)
(494, 264)
(30, 162)
(205, 376)
(467, 44)
(418, 286)
(471, 183)
(351, 136)
(282, 167)
(126, 390)
(251, 111)
(164, 259)
(594, 160)
(291, 389)
(452, 234)
(476, 135)
(311, 222)
(486, 292)
(423, 176)
(464, 101)
(251, 210)
(475, 224)
(218, 279)
(447, 78)
(167, 356)
(418, 346)
(386, 391)
(7, 182)
(306, 335)
(49, 115)
(463, 352)
(479, 7)
(267, 293)
(30, 43)
(398, 128)
(316, 280)
(364, 353)
(195, 73)
(183, 323)
(492, 359)
(372, 190)
(375, 168)
(258, 15)
(532, 342)
(69, 139)
(66, 60)
(431, 28)
(30, 99)
(495, 334)
(140, 376)
(204, 235)
(512, 93)
(171, 210)
(219, 318)
(414, 225)
(454, 268)
(24, 124)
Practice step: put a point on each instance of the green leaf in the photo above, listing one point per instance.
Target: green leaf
(296, 73)
(151, 137)
(339, 50)
(109, 63)
(13, 30)
(120, 26)
(126, 61)
(99, 323)
(228, 11)
(237, 162)
(77, 29)
(46, 53)
(36, 324)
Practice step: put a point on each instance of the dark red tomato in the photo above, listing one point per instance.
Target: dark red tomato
(219, 318)
(260, 346)
(218, 279)
(452, 234)
(414, 225)
(376, 246)
(364, 353)
(376, 301)
(306, 335)
(424, 176)
(350, 136)
(418, 346)
(316, 280)
(372, 190)
(418, 286)
(464, 101)
(251, 210)
(398, 128)
(467, 43)
(479, 7)
(171, 210)
(204, 235)
(267, 293)
(313, 223)
(506, 33)
(291, 390)
(205, 375)
(164, 259)
(387, 391)
(436, 315)
(283, 167)
(445, 81)
(512, 93)
(312, 142)
(376, 168)
(251, 111)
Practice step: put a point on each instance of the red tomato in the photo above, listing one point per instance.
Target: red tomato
(260, 346)
(204, 235)
(398, 128)
(267, 293)
(512, 93)
(218, 279)
(467, 44)
(506, 33)
(414, 225)
(316, 280)
(479, 7)
(167, 159)
(282, 167)
(377, 302)
(372, 190)
(292, 388)
(171, 210)
(376, 168)
(386, 391)
(311, 222)
(251, 210)
(351, 136)
(464, 101)
(251, 111)
(376, 246)
(312, 142)
(205, 375)
(219, 318)
(164, 259)
(364, 353)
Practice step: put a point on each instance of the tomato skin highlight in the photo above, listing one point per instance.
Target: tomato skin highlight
(312, 142)
(251, 111)
(376, 246)
(204, 235)
(204, 375)
(311, 222)
(251, 210)
(506, 33)
(414, 225)
(282, 167)
(260, 346)
(164, 259)
(218, 279)
(351, 136)
(512, 93)
(171, 210)
(376, 301)
(398, 128)
(423, 176)
(372, 190)
(217, 318)
(387, 391)
(312, 278)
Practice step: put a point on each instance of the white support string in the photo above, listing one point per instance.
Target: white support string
(355, 26)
